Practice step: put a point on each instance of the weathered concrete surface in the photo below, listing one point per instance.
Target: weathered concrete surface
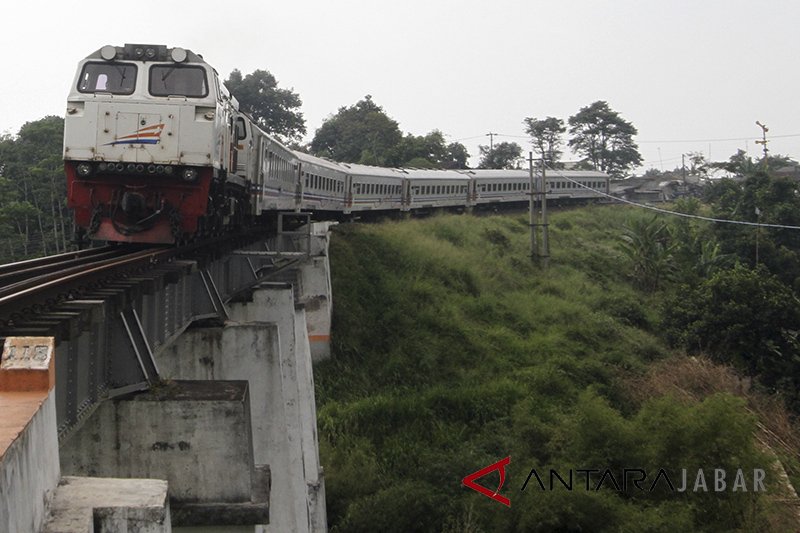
(266, 342)
(195, 434)
(238, 352)
(104, 505)
(312, 470)
(29, 469)
(315, 295)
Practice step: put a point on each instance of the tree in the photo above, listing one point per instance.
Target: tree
(429, 151)
(503, 155)
(698, 164)
(744, 317)
(457, 156)
(648, 248)
(546, 138)
(275, 110)
(739, 164)
(362, 133)
(33, 190)
(606, 139)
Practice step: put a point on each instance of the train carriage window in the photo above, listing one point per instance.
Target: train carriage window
(167, 80)
(114, 78)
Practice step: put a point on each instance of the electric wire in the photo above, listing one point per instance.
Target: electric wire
(674, 213)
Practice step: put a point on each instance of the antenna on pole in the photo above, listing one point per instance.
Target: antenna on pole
(763, 141)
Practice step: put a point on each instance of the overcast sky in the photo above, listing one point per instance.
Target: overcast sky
(700, 71)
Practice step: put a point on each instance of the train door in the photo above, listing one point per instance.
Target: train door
(244, 147)
(298, 187)
(405, 202)
(348, 194)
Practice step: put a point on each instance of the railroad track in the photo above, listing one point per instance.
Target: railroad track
(28, 288)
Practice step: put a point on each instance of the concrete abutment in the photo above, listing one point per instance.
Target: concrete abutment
(227, 439)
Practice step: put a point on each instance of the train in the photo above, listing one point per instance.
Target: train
(156, 150)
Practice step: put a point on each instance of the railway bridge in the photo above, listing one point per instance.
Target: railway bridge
(160, 389)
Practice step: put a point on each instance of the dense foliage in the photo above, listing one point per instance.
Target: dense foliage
(451, 351)
(275, 110)
(364, 133)
(34, 219)
(730, 290)
(501, 155)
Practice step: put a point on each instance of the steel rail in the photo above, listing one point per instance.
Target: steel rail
(52, 259)
(18, 272)
(40, 289)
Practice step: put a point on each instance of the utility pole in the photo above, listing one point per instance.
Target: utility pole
(545, 225)
(532, 210)
(763, 142)
(683, 164)
(491, 141)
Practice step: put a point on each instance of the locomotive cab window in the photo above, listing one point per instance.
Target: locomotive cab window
(172, 80)
(114, 78)
(241, 129)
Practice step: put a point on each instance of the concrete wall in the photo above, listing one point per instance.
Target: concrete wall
(316, 293)
(29, 469)
(266, 342)
(196, 435)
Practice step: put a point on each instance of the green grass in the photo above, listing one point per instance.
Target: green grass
(451, 350)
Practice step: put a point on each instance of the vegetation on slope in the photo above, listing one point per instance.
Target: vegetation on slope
(452, 351)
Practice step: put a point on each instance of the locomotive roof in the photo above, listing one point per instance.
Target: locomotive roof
(145, 52)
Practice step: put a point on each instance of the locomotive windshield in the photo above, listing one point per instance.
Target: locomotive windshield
(173, 80)
(114, 78)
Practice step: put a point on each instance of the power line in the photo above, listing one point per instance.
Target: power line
(674, 213)
(665, 141)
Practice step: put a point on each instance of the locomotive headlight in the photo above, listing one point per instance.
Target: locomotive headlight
(84, 169)
(168, 170)
(178, 55)
(189, 174)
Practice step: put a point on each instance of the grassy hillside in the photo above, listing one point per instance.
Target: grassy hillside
(452, 351)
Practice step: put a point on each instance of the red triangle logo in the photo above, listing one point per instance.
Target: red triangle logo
(500, 466)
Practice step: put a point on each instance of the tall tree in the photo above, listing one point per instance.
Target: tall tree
(602, 136)
(430, 151)
(361, 133)
(546, 137)
(457, 156)
(275, 110)
(502, 155)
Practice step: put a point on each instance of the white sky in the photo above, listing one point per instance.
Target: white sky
(699, 70)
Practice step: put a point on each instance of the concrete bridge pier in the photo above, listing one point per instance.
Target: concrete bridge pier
(266, 342)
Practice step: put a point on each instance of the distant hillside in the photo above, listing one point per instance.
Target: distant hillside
(452, 351)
